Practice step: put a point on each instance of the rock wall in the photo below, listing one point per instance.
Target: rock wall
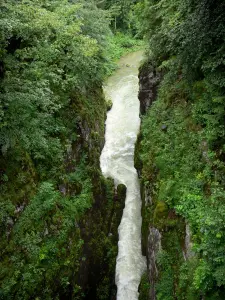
(149, 80)
(98, 227)
(153, 247)
(99, 232)
(164, 233)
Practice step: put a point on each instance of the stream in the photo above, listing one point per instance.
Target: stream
(117, 162)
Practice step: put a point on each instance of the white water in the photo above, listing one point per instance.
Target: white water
(117, 162)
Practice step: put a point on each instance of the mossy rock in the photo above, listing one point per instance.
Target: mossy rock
(137, 160)
(144, 287)
(160, 214)
(121, 192)
(109, 104)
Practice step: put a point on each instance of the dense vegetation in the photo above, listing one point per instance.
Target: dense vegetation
(124, 21)
(54, 56)
(182, 149)
(56, 209)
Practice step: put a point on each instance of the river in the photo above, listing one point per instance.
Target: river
(117, 162)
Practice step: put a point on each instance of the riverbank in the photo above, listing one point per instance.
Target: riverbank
(121, 44)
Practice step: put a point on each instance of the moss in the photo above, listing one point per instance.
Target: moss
(109, 104)
(172, 229)
(146, 217)
(137, 159)
(99, 231)
(173, 234)
(144, 287)
(160, 214)
(21, 178)
(121, 192)
(103, 292)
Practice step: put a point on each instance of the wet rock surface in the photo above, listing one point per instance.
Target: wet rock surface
(154, 245)
(149, 80)
(99, 232)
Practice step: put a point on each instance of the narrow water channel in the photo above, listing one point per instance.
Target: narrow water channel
(117, 162)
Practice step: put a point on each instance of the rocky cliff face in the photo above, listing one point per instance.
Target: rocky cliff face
(149, 79)
(99, 231)
(164, 233)
(70, 218)
(98, 227)
(153, 247)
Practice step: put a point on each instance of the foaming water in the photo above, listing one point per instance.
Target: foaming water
(117, 162)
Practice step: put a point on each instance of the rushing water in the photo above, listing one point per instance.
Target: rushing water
(117, 162)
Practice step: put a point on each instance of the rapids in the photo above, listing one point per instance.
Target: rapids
(117, 162)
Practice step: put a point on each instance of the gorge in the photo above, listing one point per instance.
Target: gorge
(97, 200)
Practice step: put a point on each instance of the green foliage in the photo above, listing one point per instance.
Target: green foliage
(160, 213)
(188, 31)
(122, 14)
(144, 287)
(47, 53)
(165, 284)
(121, 44)
(183, 135)
(189, 173)
(41, 235)
(53, 61)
